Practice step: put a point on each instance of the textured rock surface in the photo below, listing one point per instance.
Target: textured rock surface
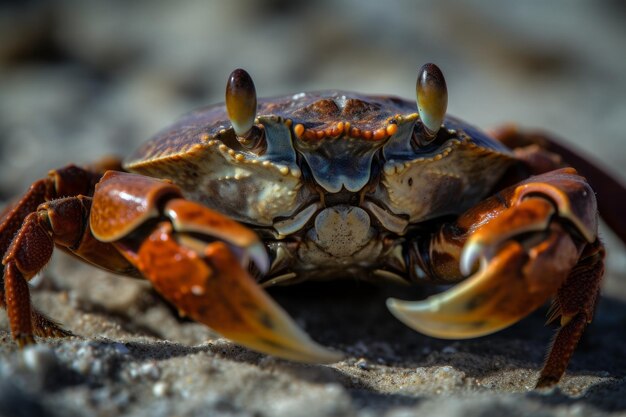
(82, 79)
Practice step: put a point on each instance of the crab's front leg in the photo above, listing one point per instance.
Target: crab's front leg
(28, 231)
(198, 260)
(529, 242)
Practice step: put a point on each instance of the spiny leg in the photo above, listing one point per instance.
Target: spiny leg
(62, 222)
(24, 246)
(18, 306)
(64, 182)
(30, 250)
(13, 293)
(13, 215)
(68, 181)
(575, 304)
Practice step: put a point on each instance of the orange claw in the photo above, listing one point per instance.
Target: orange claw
(198, 260)
(191, 217)
(212, 288)
(510, 286)
(523, 237)
(526, 254)
(123, 201)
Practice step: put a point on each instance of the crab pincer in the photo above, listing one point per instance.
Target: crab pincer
(534, 240)
(198, 260)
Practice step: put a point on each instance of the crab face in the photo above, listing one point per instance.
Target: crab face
(310, 151)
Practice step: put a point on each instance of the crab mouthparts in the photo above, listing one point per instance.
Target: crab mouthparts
(341, 230)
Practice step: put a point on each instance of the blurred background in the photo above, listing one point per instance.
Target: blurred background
(81, 79)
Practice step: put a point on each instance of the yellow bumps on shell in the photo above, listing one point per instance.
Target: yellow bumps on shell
(298, 130)
(345, 128)
(392, 128)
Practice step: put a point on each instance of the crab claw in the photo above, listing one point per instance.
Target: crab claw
(209, 282)
(198, 260)
(525, 255)
(504, 290)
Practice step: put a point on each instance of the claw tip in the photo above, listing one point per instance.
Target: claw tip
(259, 255)
(469, 256)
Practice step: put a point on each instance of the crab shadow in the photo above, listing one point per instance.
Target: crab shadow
(352, 317)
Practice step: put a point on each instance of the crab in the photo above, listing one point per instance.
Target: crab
(245, 195)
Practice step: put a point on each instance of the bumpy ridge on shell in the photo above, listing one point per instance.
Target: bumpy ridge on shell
(321, 114)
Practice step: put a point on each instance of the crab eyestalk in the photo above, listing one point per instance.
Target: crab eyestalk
(432, 98)
(241, 102)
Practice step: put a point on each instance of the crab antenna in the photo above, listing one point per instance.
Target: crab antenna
(432, 98)
(241, 101)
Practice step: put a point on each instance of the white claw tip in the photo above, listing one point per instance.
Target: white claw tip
(259, 256)
(400, 306)
(471, 253)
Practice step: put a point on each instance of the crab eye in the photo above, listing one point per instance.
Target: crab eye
(241, 102)
(432, 99)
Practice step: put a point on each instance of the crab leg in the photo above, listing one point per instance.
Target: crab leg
(541, 152)
(198, 260)
(575, 304)
(59, 222)
(134, 225)
(68, 181)
(526, 256)
(25, 243)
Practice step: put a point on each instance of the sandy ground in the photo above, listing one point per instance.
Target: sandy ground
(80, 80)
(135, 357)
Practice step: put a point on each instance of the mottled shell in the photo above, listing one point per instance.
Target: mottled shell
(338, 134)
(317, 111)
